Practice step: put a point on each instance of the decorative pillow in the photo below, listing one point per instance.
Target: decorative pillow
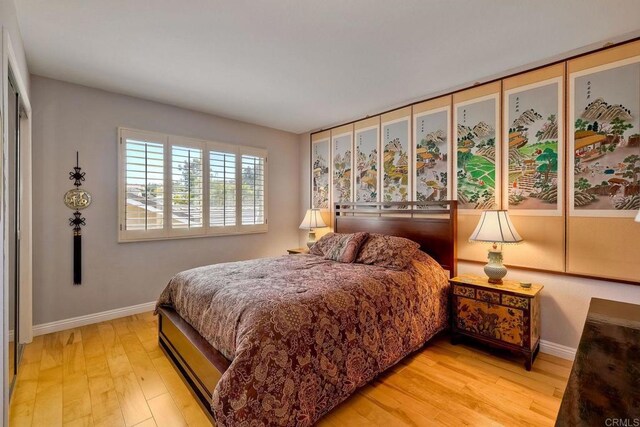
(346, 247)
(324, 243)
(387, 251)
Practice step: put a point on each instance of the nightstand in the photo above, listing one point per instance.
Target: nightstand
(298, 251)
(506, 316)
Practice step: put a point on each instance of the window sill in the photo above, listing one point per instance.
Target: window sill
(253, 230)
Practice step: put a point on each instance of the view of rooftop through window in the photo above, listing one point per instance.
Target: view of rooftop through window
(144, 209)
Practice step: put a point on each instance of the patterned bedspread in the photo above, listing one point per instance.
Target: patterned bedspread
(303, 333)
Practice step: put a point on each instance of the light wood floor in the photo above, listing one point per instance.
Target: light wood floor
(114, 374)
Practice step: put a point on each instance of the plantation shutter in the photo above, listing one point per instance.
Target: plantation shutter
(144, 184)
(222, 189)
(253, 188)
(186, 188)
(174, 187)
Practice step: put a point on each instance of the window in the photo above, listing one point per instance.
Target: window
(172, 187)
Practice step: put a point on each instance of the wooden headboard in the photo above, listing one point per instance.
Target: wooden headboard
(431, 224)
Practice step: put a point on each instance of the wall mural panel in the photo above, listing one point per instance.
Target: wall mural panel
(432, 154)
(367, 164)
(605, 140)
(342, 165)
(320, 174)
(395, 140)
(476, 160)
(533, 161)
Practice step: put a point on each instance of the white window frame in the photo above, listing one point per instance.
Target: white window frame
(168, 232)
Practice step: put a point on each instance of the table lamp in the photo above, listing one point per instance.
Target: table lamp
(311, 221)
(495, 227)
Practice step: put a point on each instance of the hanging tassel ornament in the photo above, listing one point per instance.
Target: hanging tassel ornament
(77, 199)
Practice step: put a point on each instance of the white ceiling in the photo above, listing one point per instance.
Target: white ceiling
(299, 65)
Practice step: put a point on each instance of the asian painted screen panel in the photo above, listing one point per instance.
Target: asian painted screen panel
(476, 162)
(320, 174)
(604, 140)
(395, 160)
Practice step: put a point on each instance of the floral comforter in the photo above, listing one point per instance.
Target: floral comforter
(303, 333)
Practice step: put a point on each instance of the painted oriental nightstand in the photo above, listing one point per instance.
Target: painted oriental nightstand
(505, 316)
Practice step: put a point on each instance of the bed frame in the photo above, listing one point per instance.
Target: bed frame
(431, 224)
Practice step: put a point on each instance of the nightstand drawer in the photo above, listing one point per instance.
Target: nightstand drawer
(464, 291)
(514, 301)
(488, 296)
(490, 320)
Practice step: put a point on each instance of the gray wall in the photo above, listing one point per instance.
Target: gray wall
(68, 117)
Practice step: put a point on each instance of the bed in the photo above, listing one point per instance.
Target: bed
(281, 341)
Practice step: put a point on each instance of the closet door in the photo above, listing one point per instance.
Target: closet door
(13, 236)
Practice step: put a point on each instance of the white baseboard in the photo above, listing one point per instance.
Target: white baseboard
(559, 350)
(74, 322)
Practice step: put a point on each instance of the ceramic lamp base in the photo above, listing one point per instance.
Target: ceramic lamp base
(311, 239)
(494, 269)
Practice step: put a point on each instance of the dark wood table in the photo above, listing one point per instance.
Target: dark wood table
(604, 385)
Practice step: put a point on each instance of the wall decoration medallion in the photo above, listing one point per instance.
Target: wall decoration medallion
(77, 199)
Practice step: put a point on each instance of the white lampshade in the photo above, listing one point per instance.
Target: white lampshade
(495, 227)
(312, 220)
(638, 217)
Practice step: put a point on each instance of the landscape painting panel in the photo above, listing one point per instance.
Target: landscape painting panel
(432, 152)
(533, 148)
(342, 168)
(606, 142)
(367, 165)
(476, 154)
(320, 174)
(396, 161)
